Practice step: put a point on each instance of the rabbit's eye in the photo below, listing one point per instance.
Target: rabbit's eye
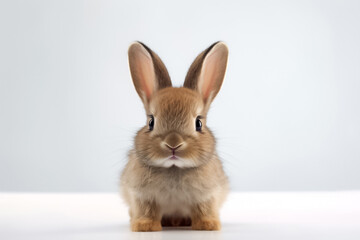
(198, 124)
(151, 123)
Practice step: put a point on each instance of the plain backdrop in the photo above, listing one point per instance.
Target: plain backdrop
(286, 118)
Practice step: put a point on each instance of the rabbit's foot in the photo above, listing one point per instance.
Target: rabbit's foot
(209, 224)
(145, 225)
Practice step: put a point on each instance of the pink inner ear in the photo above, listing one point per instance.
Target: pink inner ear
(143, 72)
(147, 77)
(146, 73)
(212, 72)
(208, 77)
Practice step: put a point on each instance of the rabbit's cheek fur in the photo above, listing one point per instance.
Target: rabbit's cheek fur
(195, 152)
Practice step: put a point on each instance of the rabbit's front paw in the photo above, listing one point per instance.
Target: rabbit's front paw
(145, 225)
(209, 224)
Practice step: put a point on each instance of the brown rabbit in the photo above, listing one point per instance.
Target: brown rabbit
(174, 176)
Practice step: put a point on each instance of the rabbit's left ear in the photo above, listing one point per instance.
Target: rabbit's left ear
(207, 72)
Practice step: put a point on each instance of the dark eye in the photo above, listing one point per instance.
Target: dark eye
(198, 124)
(151, 123)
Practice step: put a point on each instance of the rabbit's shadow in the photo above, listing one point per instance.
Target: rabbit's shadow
(122, 231)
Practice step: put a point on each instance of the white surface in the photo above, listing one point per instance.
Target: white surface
(289, 106)
(267, 215)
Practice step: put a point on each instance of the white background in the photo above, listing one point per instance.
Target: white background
(286, 118)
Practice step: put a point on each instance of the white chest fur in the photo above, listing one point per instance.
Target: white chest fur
(174, 192)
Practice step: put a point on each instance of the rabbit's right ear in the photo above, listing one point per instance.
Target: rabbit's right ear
(148, 72)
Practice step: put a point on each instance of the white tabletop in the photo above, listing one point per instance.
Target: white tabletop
(246, 215)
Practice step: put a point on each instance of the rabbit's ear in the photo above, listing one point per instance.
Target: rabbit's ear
(207, 72)
(148, 72)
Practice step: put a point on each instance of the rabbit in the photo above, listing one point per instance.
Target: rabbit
(174, 176)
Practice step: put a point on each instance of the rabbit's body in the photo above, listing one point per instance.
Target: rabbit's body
(174, 176)
(174, 190)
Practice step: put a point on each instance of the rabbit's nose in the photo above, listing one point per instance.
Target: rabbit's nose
(172, 147)
(173, 141)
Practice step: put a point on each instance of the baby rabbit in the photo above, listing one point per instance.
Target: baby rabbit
(174, 176)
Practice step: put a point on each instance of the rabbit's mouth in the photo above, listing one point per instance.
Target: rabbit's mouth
(173, 157)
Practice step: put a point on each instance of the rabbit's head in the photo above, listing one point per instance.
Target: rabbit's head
(175, 134)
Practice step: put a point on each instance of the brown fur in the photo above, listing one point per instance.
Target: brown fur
(191, 189)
